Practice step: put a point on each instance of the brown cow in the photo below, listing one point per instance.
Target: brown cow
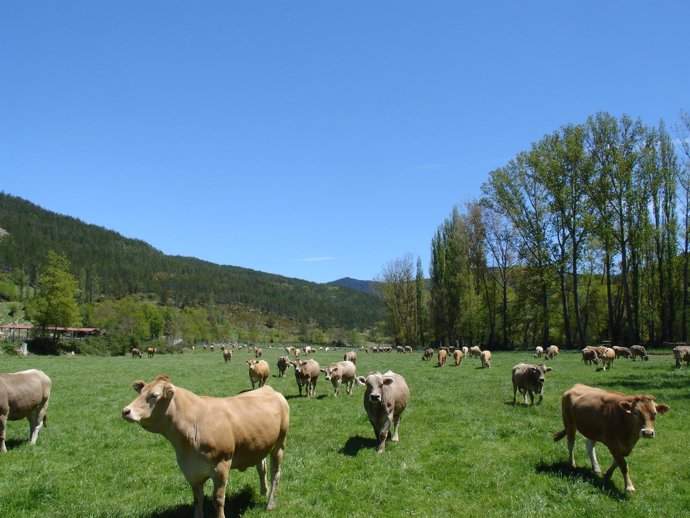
(350, 356)
(428, 353)
(590, 355)
(475, 351)
(214, 435)
(385, 399)
(529, 378)
(607, 355)
(24, 394)
(227, 355)
(618, 420)
(151, 351)
(136, 353)
(458, 355)
(639, 350)
(681, 353)
(306, 374)
(485, 357)
(622, 352)
(283, 364)
(258, 372)
(442, 355)
(341, 372)
(551, 352)
(258, 351)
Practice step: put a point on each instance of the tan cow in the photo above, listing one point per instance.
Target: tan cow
(607, 355)
(341, 372)
(458, 356)
(622, 352)
(428, 353)
(485, 357)
(475, 351)
(529, 378)
(136, 353)
(551, 352)
(227, 355)
(306, 374)
(350, 356)
(385, 399)
(681, 353)
(258, 372)
(151, 351)
(465, 350)
(590, 355)
(214, 435)
(538, 351)
(24, 394)
(442, 356)
(639, 350)
(258, 352)
(615, 419)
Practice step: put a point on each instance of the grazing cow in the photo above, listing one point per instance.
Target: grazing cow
(428, 353)
(538, 351)
(400, 349)
(408, 348)
(475, 351)
(622, 352)
(258, 352)
(306, 374)
(283, 364)
(385, 399)
(458, 355)
(607, 355)
(590, 355)
(297, 352)
(341, 372)
(309, 350)
(486, 359)
(24, 394)
(529, 378)
(639, 350)
(551, 352)
(350, 356)
(227, 355)
(618, 420)
(151, 351)
(465, 350)
(442, 355)
(214, 435)
(682, 354)
(136, 353)
(258, 372)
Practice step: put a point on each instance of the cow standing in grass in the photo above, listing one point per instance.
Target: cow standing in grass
(385, 399)
(23, 395)
(529, 379)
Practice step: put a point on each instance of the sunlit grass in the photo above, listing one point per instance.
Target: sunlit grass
(464, 450)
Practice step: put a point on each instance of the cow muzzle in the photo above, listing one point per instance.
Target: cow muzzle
(647, 433)
(375, 398)
(128, 415)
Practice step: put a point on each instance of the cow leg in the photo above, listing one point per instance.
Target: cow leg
(3, 424)
(261, 470)
(570, 434)
(593, 456)
(514, 393)
(276, 461)
(220, 481)
(198, 491)
(396, 423)
(36, 421)
(336, 388)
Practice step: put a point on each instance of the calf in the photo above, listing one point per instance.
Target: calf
(485, 357)
(458, 355)
(341, 372)
(682, 354)
(283, 364)
(214, 435)
(618, 420)
(24, 394)
(639, 350)
(529, 378)
(258, 372)
(385, 399)
(306, 374)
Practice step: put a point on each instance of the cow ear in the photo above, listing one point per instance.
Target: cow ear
(627, 406)
(169, 390)
(323, 370)
(361, 380)
(549, 369)
(388, 381)
(138, 385)
(661, 408)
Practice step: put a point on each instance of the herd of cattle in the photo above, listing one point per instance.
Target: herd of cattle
(213, 435)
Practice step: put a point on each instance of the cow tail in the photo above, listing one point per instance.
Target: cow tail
(559, 435)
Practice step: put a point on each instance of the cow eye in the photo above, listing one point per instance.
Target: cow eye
(154, 395)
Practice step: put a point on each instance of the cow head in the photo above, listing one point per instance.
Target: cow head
(539, 372)
(644, 410)
(153, 400)
(330, 371)
(375, 383)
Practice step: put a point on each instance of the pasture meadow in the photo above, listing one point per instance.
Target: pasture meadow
(464, 449)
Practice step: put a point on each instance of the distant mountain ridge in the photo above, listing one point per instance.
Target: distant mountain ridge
(107, 264)
(355, 284)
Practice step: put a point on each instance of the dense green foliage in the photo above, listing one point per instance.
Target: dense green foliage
(108, 265)
(464, 450)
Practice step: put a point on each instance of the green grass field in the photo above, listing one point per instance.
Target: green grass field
(464, 449)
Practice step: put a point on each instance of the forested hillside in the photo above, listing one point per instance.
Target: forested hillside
(108, 264)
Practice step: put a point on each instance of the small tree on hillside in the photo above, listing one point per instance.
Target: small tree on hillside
(55, 303)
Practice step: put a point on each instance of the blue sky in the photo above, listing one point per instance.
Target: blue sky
(313, 139)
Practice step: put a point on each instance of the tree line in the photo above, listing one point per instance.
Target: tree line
(582, 238)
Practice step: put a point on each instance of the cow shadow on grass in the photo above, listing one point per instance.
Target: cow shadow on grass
(565, 470)
(355, 444)
(10, 444)
(236, 504)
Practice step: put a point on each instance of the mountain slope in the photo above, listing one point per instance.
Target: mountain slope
(106, 263)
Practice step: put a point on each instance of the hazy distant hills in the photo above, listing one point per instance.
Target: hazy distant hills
(108, 264)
